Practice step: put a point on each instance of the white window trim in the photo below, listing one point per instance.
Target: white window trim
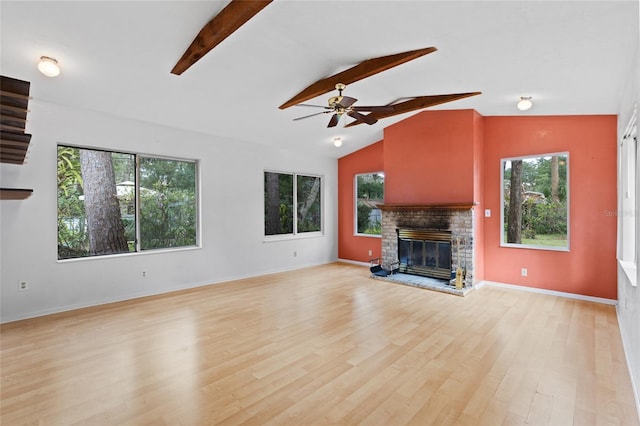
(502, 218)
(139, 251)
(355, 206)
(295, 235)
(628, 203)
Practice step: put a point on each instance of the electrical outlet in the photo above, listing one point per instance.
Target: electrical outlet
(370, 252)
(523, 272)
(487, 212)
(23, 285)
(143, 274)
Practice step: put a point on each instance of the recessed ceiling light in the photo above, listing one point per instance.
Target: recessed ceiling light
(525, 103)
(48, 66)
(337, 142)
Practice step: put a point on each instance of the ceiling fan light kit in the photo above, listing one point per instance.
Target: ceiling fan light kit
(344, 105)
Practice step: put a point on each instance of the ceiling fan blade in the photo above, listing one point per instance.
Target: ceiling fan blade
(311, 115)
(362, 70)
(315, 106)
(416, 103)
(334, 120)
(386, 108)
(347, 101)
(362, 118)
(232, 17)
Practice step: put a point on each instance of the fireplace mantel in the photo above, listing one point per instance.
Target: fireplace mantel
(435, 206)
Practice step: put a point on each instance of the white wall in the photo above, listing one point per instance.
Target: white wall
(628, 296)
(232, 216)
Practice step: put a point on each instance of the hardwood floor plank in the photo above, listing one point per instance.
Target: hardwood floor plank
(321, 345)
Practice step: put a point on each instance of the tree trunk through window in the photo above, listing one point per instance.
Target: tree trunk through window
(271, 204)
(514, 226)
(312, 196)
(555, 179)
(104, 222)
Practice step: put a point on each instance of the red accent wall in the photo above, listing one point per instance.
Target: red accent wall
(429, 158)
(589, 268)
(454, 156)
(478, 195)
(350, 246)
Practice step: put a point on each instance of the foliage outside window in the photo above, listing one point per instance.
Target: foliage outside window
(369, 194)
(112, 202)
(292, 202)
(535, 194)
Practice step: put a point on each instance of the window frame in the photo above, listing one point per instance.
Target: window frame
(628, 202)
(355, 204)
(295, 234)
(503, 243)
(137, 204)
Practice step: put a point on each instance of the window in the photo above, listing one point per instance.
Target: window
(369, 194)
(535, 201)
(628, 203)
(114, 202)
(292, 202)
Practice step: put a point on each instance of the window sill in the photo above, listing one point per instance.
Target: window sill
(131, 253)
(631, 271)
(288, 237)
(531, 247)
(368, 235)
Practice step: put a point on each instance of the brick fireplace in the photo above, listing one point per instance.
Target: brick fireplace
(427, 227)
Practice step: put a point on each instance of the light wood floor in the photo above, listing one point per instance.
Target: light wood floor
(320, 345)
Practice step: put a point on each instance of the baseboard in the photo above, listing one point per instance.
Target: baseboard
(549, 292)
(625, 346)
(354, 262)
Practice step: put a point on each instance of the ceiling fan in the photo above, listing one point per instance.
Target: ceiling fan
(341, 105)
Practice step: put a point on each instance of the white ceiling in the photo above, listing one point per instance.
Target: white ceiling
(572, 57)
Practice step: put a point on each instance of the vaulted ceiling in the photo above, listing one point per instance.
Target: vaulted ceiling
(571, 57)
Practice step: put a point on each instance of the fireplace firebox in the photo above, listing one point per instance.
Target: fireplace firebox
(425, 252)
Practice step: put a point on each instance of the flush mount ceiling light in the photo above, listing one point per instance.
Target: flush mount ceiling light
(337, 142)
(525, 103)
(48, 66)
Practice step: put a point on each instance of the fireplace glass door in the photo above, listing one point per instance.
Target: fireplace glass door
(421, 253)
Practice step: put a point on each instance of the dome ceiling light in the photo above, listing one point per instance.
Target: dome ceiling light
(524, 103)
(48, 66)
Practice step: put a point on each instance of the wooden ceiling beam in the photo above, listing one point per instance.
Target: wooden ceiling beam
(225, 23)
(417, 103)
(362, 70)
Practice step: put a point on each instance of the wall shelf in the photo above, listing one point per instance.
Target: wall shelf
(14, 142)
(15, 194)
(14, 105)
